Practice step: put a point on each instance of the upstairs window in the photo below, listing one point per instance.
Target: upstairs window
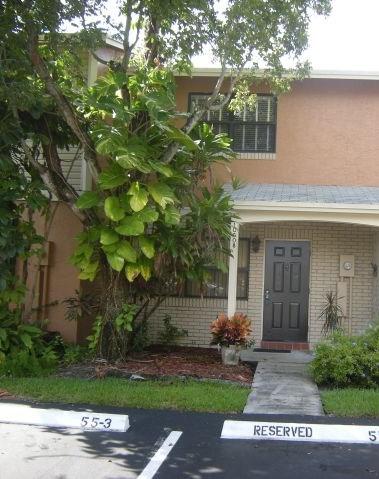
(216, 285)
(251, 130)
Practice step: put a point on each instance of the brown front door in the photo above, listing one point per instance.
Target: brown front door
(286, 289)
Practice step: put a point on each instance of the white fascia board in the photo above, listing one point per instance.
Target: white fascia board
(258, 212)
(345, 75)
(316, 74)
(113, 43)
(302, 206)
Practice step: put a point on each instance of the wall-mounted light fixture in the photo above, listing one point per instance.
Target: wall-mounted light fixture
(255, 244)
(374, 267)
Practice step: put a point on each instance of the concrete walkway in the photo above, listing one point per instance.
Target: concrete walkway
(282, 384)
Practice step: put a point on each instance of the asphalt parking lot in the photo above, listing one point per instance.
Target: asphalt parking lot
(40, 452)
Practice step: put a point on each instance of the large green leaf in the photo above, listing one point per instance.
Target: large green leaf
(27, 340)
(110, 248)
(116, 261)
(112, 177)
(172, 215)
(133, 156)
(108, 237)
(165, 170)
(132, 270)
(126, 250)
(148, 215)
(3, 334)
(112, 209)
(178, 135)
(105, 145)
(130, 226)
(88, 199)
(139, 197)
(145, 269)
(132, 162)
(89, 271)
(162, 194)
(147, 246)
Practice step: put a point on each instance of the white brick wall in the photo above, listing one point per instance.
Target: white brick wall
(327, 241)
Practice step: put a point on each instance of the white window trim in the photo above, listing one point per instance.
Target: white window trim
(255, 156)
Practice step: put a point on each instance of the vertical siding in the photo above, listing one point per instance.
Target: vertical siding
(71, 161)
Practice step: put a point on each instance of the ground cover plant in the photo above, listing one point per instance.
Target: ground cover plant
(188, 395)
(351, 402)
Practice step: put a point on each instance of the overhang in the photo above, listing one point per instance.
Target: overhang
(317, 74)
(257, 202)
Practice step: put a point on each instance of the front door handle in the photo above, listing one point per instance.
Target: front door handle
(267, 295)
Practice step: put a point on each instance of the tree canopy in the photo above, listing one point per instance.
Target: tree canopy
(150, 220)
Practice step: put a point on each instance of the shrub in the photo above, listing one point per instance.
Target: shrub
(27, 364)
(74, 353)
(139, 339)
(24, 351)
(348, 360)
(231, 331)
(170, 334)
(15, 335)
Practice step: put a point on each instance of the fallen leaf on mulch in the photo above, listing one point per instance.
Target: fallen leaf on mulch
(4, 394)
(176, 361)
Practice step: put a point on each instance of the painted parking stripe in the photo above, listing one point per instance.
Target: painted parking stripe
(280, 431)
(160, 456)
(85, 420)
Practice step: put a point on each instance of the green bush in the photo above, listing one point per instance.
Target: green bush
(74, 353)
(25, 349)
(26, 364)
(170, 334)
(343, 361)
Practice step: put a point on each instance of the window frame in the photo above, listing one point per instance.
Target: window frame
(232, 122)
(213, 269)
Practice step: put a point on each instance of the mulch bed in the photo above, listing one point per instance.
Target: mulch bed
(4, 394)
(159, 362)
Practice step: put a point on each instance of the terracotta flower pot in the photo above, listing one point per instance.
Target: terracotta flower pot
(230, 355)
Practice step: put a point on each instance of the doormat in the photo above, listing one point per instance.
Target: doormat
(265, 350)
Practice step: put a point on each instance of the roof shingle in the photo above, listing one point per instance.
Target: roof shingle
(252, 192)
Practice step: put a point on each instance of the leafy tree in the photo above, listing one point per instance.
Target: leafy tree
(151, 220)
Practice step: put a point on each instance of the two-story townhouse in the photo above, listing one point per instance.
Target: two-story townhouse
(308, 215)
(308, 211)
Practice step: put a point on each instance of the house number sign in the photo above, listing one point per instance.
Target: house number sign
(234, 234)
(278, 431)
(85, 420)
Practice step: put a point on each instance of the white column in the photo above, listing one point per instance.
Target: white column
(233, 268)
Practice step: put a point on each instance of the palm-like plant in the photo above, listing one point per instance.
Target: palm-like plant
(331, 314)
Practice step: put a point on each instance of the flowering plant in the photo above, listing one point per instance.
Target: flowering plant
(232, 331)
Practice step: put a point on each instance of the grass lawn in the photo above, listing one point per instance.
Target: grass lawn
(351, 402)
(186, 395)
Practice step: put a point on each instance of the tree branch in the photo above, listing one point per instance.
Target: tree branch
(63, 105)
(194, 119)
(128, 23)
(97, 58)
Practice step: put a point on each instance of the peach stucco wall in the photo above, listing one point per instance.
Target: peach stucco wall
(327, 133)
(62, 280)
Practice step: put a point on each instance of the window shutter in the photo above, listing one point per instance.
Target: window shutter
(252, 130)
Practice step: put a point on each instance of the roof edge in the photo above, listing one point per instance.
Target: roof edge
(314, 74)
(355, 208)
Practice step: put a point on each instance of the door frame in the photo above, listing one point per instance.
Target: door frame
(307, 240)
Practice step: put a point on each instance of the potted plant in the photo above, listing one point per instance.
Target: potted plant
(231, 335)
